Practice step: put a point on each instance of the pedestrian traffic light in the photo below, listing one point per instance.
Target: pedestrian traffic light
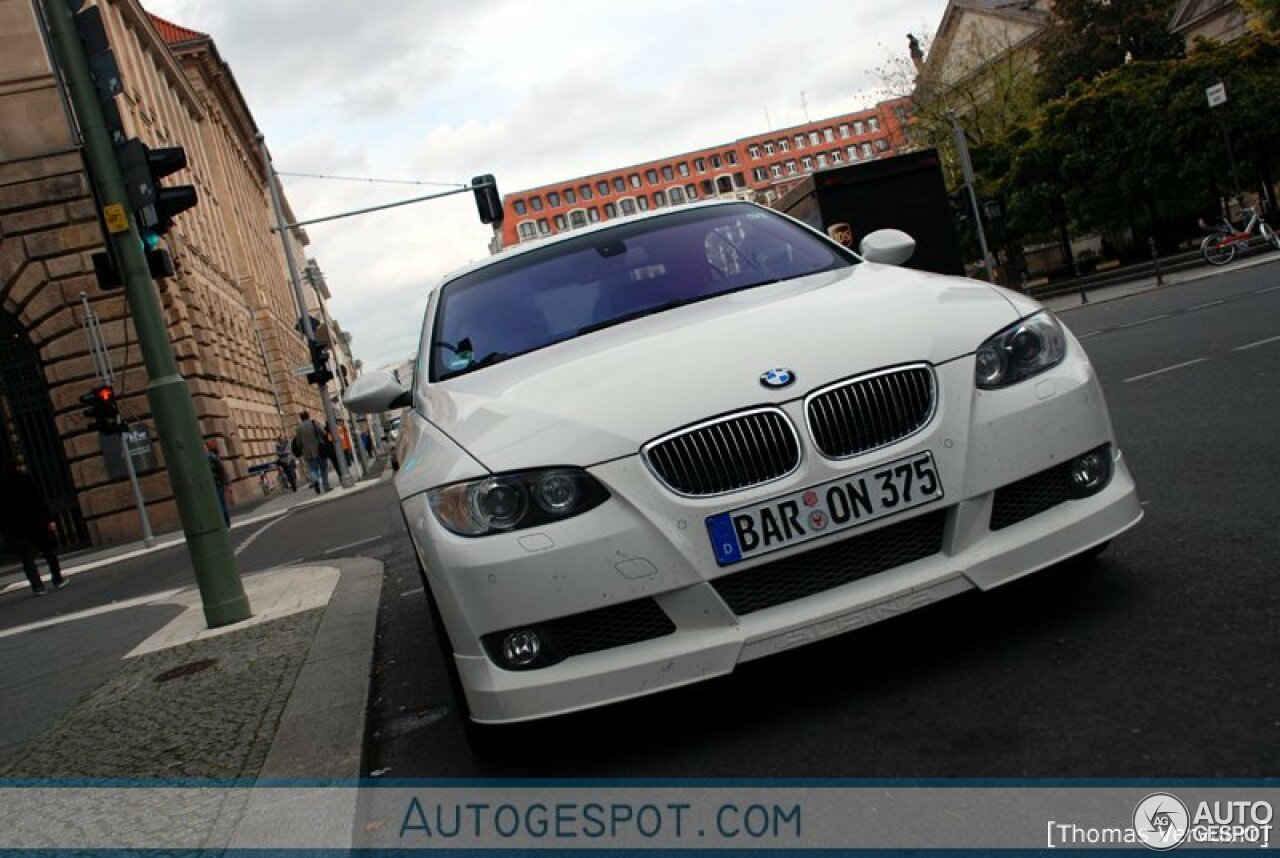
(103, 409)
(488, 202)
(154, 206)
(320, 373)
(159, 264)
(961, 210)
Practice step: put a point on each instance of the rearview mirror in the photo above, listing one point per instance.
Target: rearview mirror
(375, 392)
(887, 246)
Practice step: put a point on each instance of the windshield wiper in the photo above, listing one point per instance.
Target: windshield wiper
(489, 360)
(635, 314)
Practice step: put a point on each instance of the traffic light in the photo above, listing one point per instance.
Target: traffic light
(154, 206)
(320, 373)
(488, 202)
(159, 264)
(103, 409)
(961, 209)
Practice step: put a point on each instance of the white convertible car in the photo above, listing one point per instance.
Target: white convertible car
(642, 453)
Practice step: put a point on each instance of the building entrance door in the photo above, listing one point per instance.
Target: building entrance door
(29, 435)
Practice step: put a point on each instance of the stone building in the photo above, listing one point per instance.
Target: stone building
(230, 310)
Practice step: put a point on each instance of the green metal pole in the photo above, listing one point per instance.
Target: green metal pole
(208, 542)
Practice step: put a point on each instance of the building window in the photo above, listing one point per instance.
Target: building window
(683, 168)
(667, 173)
(659, 199)
(873, 124)
(602, 188)
(836, 157)
(852, 152)
(724, 185)
(866, 150)
(784, 145)
(527, 230)
(901, 113)
(822, 160)
(520, 207)
(553, 199)
(561, 225)
(708, 189)
(828, 135)
(584, 191)
(610, 210)
(536, 203)
(844, 130)
(634, 178)
(691, 192)
(651, 176)
(882, 145)
(760, 174)
(543, 226)
(627, 206)
(577, 218)
(570, 197)
(715, 162)
(754, 152)
(593, 214)
(776, 170)
(677, 195)
(791, 168)
(700, 164)
(739, 180)
(814, 138)
(807, 163)
(857, 128)
(731, 158)
(799, 141)
(642, 203)
(619, 184)
(768, 148)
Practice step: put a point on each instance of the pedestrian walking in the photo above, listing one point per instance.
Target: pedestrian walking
(221, 479)
(285, 462)
(346, 443)
(312, 442)
(367, 440)
(28, 527)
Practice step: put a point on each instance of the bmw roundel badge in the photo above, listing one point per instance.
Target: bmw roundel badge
(778, 377)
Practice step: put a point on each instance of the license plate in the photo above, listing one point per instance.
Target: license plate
(824, 509)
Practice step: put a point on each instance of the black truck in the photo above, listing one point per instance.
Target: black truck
(905, 192)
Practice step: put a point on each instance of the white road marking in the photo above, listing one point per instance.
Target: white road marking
(1210, 304)
(411, 592)
(1144, 321)
(353, 544)
(1258, 343)
(1165, 369)
(1086, 336)
(243, 545)
(161, 597)
(1268, 289)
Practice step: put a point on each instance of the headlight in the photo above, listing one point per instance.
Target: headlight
(505, 502)
(1020, 351)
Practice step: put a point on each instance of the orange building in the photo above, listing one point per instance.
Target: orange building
(762, 167)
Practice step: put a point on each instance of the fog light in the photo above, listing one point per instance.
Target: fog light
(1091, 472)
(520, 648)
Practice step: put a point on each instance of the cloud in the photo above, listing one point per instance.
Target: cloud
(532, 91)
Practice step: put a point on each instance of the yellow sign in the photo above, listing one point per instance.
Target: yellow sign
(117, 220)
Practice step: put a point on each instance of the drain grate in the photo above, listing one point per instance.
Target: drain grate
(186, 669)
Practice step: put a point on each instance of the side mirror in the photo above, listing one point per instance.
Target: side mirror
(887, 246)
(375, 392)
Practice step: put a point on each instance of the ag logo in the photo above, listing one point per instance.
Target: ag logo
(1161, 821)
(777, 377)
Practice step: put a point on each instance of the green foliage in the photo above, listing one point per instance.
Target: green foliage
(1268, 12)
(1087, 38)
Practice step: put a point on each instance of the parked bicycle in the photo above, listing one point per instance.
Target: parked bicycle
(1220, 246)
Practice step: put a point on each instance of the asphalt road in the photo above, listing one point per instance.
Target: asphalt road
(1158, 660)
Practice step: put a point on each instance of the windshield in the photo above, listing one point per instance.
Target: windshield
(605, 278)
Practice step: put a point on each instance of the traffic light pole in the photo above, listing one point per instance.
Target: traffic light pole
(208, 542)
(273, 184)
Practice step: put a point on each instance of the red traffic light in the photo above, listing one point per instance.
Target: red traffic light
(106, 394)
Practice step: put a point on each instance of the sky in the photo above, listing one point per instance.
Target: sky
(530, 91)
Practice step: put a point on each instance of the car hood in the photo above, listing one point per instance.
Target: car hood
(603, 395)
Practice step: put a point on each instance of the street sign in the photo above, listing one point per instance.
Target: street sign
(1217, 94)
(305, 369)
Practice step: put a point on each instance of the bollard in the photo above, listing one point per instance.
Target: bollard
(1155, 261)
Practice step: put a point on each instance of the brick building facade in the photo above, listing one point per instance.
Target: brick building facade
(230, 310)
(761, 167)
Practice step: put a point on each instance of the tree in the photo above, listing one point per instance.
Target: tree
(1268, 12)
(1086, 38)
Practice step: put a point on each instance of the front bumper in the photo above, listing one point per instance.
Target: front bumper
(647, 544)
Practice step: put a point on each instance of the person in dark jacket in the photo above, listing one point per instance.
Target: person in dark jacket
(28, 527)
